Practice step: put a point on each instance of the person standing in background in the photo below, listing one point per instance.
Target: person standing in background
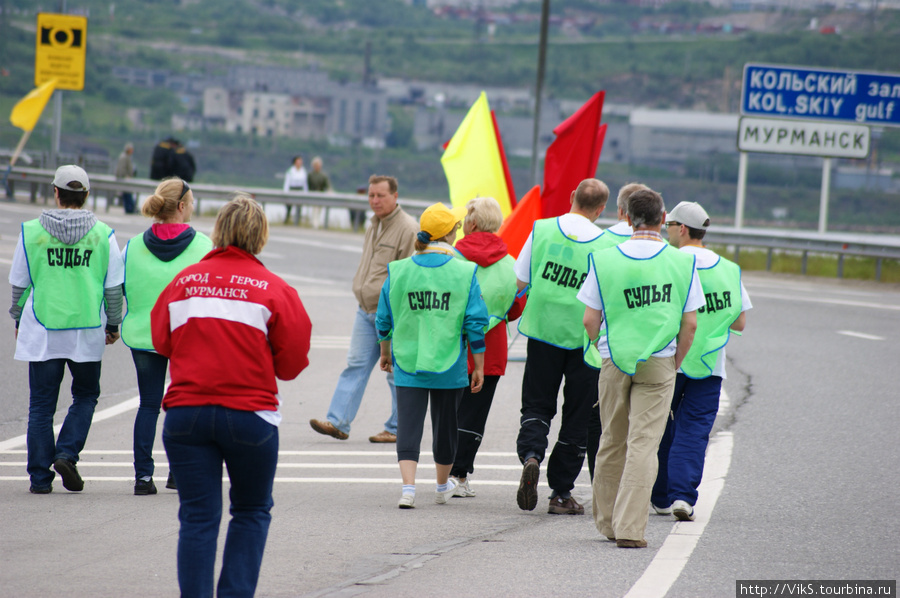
(66, 279)
(161, 163)
(295, 179)
(317, 181)
(125, 170)
(151, 262)
(183, 164)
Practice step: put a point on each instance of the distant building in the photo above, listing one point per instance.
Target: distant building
(304, 104)
(273, 102)
(666, 137)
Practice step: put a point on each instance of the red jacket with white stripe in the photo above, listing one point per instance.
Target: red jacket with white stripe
(230, 327)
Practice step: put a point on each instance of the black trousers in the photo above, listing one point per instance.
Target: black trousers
(545, 368)
(471, 418)
(412, 404)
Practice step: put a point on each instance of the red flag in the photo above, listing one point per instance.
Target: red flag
(517, 226)
(573, 156)
(509, 183)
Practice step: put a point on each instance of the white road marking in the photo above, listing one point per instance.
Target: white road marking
(321, 244)
(673, 555)
(655, 582)
(869, 337)
(829, 301)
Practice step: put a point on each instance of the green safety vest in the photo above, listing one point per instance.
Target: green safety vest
(591, 354)
(67, 280)
(643, 300)
(145, 278)
(722, 287)
(558, 269)
(428, 306)
(498, 289)
(610, 239)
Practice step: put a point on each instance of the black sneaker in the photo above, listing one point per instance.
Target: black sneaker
(69, 473)
(170, 482)
(142, 488)
(526, 497)
(44, 490)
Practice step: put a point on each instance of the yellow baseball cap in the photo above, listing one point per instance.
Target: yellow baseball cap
(438, 220)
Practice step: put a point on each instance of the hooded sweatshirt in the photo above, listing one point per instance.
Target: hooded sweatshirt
(486, 249)
(163, 245)
(70, 226)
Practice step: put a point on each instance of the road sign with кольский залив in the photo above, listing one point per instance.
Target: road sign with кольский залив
(821, 94)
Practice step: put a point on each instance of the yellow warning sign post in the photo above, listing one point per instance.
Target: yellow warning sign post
(60, 55)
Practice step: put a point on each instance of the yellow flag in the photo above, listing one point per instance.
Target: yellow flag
(472, 160)
(26, 113)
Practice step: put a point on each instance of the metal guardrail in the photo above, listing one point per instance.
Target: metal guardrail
(842, 245)
(106, 185)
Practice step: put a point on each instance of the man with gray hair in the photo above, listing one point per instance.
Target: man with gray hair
(641, 300)
(125, 170)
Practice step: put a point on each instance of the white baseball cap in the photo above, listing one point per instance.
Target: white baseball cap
(690, 214)
(69, 174)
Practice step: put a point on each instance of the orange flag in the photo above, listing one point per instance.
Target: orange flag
(517, 226)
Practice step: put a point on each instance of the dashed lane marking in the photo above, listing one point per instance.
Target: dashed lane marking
(868, 337)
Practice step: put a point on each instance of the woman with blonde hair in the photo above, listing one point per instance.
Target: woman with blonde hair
(430, 305)
(231, 329)
(151, 262)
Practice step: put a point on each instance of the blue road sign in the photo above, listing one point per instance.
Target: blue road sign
(821, 94)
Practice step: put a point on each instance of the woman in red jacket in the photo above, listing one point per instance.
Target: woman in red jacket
(229, 328)
(498, 286)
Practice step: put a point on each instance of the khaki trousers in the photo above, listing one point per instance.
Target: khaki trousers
(633, 411)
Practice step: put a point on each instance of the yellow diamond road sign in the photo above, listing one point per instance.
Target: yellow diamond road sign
(61, 43)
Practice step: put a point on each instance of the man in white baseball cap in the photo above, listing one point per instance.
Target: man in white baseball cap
(66, 278)
(72, 178)
(698, 382)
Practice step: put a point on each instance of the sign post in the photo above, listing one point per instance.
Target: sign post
(812, 112)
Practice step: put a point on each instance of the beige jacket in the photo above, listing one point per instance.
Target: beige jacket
(395, 241)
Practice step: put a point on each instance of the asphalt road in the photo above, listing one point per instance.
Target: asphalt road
(801, 482)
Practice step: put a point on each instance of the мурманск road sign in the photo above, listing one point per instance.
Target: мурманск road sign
(803, 138)
(821, 94)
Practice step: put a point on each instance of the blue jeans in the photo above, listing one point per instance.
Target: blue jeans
(128, 202)
(682, 450)
(151, 377)
(44, 379)
(363, 355)
(197, 441)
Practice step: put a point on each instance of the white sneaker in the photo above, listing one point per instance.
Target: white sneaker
(682, 511)
(463, 490)
(407, 501)
(661, 510)
(440, 498)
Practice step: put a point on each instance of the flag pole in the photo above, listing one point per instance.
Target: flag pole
(538, 91)
(12, 162)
